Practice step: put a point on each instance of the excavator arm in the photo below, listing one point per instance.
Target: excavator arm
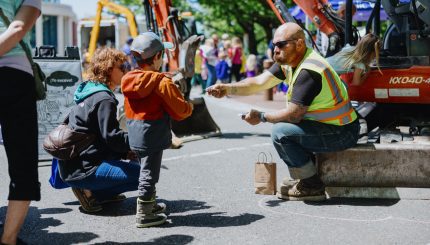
(321, 14)
(117, 9)
(163, 19)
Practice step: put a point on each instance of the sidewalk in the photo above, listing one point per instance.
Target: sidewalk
(259, 100)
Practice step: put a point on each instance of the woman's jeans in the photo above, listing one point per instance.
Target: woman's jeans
(296, 143)
(110, 179)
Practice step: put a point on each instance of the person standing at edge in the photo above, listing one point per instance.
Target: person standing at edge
(318, 117)
(18, 113)
(151, 100)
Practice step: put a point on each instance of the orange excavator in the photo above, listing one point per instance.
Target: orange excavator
(165, 20)
(398, 145)
(403, 87)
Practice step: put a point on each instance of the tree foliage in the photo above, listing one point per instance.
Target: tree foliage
(236, 17)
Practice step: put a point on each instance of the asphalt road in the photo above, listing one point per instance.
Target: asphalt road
(208, 188)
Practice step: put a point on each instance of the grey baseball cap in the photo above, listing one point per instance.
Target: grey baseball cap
(148, 44)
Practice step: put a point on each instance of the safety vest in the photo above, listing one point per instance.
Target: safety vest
(332, 104)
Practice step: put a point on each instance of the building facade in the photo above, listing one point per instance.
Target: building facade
(56, 26)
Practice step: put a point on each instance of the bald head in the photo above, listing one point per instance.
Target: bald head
(290, 45)
(290, 30)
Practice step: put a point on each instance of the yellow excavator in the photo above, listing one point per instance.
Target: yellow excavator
(117, 9)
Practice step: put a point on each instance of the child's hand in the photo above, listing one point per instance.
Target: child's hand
(168, 74)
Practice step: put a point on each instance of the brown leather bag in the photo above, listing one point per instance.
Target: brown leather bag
(65, 143)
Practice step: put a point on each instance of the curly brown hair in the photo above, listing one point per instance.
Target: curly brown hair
(102, 64)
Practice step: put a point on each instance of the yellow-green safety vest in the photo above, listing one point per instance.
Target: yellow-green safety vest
(332, 104)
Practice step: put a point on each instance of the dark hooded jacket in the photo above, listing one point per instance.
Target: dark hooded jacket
(95, 113)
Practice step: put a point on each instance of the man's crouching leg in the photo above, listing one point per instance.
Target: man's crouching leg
(305, 184)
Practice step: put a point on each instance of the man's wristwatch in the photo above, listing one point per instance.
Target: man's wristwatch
(262, 118)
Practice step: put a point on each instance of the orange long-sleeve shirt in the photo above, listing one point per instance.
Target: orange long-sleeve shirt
(148, 95)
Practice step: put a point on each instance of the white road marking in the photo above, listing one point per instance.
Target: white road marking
(214, 152)
(259, 145)
(206, 153)
(236, 149)
(284, 212)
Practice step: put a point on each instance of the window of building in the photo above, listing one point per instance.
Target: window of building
(33, 37)
(50, 30)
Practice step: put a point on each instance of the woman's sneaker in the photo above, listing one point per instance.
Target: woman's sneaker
(149, 213)
(117, 198)
(88, 204)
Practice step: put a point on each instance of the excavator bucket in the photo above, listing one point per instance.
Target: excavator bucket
(200, 125)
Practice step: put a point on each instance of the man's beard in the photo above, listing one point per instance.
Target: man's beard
(279, 60)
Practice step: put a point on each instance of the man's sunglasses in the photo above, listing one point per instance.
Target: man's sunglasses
(282, 44)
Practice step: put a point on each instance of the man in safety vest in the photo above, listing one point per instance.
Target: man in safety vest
(318, 117)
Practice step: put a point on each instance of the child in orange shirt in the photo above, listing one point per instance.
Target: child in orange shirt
(151, 101)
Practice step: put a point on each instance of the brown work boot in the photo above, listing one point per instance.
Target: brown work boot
(149, 213)
(288, 182)
(117, 198)
(299, 192)
(88, 203)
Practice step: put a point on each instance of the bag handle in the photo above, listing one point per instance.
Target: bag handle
(265, 157)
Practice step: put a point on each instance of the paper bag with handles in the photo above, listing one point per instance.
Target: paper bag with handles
(265, 175)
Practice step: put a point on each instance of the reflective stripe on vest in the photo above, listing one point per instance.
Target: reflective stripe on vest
(341, 111)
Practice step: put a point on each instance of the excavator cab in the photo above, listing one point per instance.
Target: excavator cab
(408, 35)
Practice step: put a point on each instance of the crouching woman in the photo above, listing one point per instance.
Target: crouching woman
(99, 175)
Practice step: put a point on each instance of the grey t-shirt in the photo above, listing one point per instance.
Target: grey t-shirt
(21, 62)
(338, 60)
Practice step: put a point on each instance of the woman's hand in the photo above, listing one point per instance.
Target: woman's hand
(131, 155)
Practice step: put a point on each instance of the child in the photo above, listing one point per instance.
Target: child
(198, 65)
(236, 58)
(251, 66)
(357, 58)
(151, 100)
(222, 69)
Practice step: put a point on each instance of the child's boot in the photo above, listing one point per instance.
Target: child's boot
(149, 213)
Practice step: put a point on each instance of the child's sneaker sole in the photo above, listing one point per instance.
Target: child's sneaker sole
(145, 222)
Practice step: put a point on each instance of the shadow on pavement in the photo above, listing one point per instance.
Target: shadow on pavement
(35, 230)
(128, 207)
(242, 135)
(274, 203)
(212, 220)
(165, 240)
(355, 202)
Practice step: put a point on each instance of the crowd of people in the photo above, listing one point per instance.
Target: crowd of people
(223, 61)
(319, 116)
